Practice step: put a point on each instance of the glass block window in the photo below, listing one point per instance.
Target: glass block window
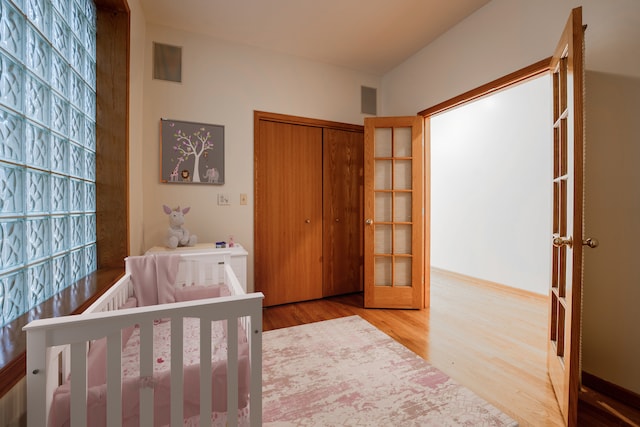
(47, 151)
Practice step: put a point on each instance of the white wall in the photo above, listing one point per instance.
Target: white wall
(223, 84)
(507, 35)
(611, 340)
(490, 193)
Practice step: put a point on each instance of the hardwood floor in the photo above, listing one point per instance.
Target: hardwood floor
(489, 338)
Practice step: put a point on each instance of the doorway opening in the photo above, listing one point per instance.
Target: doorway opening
(491, 160)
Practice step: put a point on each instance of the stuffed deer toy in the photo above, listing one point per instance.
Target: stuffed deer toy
(177, 234)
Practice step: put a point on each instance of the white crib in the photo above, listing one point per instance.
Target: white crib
(59, 347)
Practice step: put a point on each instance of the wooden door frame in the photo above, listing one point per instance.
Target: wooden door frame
(298, 120)
(512, 79)
(534, 70)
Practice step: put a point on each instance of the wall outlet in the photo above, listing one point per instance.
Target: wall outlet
(224, 199)
(243, 199)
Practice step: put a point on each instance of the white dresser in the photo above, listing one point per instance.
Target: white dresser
(238, 257)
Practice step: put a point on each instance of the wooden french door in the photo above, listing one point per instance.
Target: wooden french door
(394, 212)
(563, 354)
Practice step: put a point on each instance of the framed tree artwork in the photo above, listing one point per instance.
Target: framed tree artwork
(191, 153)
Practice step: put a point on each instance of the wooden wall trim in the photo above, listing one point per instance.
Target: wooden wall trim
(296, 120)
(523, 293)
(612, 390)
(521, 75)
(113, 5)
(112, 137)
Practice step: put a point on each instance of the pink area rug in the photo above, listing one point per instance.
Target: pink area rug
(346, 372)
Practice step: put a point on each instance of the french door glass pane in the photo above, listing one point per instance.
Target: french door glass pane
(383, 142)
(402, 175)
(383, 178)
(383, 271)
(402, 239)
(402, 209)
(402, 142)
(383, 239)
(383, 206)
(402, 271)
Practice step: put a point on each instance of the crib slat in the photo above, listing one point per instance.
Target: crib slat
(189, 267)
(177, 374)
(114, 380)
(79, 384)
(205, 372)
(201, 272)
(232, 372)
(146, 371)
(57, 369)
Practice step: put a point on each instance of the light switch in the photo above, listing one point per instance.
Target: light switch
(243, 199)
(224, 199)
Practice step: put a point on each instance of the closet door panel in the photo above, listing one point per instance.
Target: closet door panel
(288, 214)
(343, 203)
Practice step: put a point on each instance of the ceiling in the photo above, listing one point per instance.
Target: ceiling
(375, 36)
(372, 36)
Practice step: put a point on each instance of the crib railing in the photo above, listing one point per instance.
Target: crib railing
(114, 297)
(47, 337)
(77, 331)
(204, 268)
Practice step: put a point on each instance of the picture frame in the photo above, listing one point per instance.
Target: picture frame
(191, 152)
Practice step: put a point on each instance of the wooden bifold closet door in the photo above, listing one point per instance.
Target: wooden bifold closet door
(343, 182)
(308, 208)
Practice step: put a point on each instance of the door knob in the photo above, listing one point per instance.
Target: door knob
(368, 221)
(592, 243)
(308, 221)
(562, 241)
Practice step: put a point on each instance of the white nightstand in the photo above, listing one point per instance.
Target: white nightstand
(238, 257)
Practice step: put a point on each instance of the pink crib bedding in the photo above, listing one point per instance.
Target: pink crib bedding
(131, 381)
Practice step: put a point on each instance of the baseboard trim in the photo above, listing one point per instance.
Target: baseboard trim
(603, 403)
(611, 390)
(487, 283)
